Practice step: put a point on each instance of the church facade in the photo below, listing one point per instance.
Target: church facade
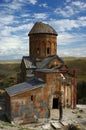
(46, 82)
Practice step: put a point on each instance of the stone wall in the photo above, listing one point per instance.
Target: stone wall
(28, 106)
(48, 76)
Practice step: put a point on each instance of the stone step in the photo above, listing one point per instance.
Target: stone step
(64, 123)
(56, 125)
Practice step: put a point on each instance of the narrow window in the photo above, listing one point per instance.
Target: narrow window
(48, 50)
(31, 97)
(37, 50)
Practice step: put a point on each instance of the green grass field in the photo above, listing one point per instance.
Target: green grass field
(79, 64)
(8, 73)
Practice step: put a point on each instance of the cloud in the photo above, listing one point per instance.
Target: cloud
(32, 1)
(66, 12)
(73, 8)
(6, 19)
(40, 15)
(71, 38)
(83, 18)
(70, 43)
(13, 53)
(44, 5)
(25, 15)
(67, 24)
(13, 5)
(11, 42)
(72, 51)
(26, 1)
(68, 1)
(22, 27)
(79, 4)
(16, 4)
(7, 31)
(13, 47)
(7, 1)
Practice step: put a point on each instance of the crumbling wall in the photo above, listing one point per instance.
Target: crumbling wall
(29, 106)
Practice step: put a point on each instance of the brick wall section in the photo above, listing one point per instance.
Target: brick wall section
(24, 108)
(47, 77)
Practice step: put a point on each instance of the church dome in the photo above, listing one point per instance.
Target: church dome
(40, 27)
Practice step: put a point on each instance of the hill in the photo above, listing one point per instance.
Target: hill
(8, 73)
(79, 64)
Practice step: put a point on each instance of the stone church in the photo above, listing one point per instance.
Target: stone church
(45, 81)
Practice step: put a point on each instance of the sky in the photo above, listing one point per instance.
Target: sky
(67, 17)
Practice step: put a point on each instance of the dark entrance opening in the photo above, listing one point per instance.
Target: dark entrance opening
(55, 103)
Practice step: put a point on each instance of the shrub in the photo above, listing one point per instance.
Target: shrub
(73, 127)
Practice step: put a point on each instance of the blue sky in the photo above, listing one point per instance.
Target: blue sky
(67, 17)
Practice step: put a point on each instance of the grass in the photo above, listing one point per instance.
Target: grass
(24, 129)
(8, 124)
(8, 74)
(3, 126)
(79, 64)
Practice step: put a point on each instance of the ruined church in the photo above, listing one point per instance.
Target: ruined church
(45, 80)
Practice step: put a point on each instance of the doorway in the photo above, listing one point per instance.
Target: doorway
(55, 103)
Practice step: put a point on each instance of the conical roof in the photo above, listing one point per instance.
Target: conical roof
(40, 27)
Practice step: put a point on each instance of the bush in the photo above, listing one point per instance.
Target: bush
(73, 127)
